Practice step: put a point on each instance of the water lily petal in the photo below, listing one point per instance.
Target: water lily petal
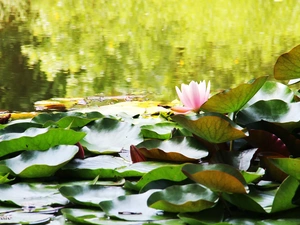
(181, 110)
(192, 96)
(195, 95)
(186, 96)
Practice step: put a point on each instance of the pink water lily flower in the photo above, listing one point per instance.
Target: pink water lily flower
(192, 96)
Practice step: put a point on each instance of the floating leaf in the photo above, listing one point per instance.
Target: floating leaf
(253, 176)
(132, 207)
(288, 65)
(273, 111)
(273, 90)
(110, 135)
(238, 159)
(33, 194)
(284, 195)
(37, 139)
(233, 100)
(184, 198)
(103, 166)
(217, 177)
(288, 165)
(180, 149)
(4, 178)
(35, 164)
(91, 216)
(158, 130)
(24, 218)
(90, 195)
(255, 200)
(140, 168)
(211, 127)
(168, 172)
(67, 119)
(212, 215)
(266, 201)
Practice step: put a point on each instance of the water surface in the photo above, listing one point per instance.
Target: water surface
(72, 48)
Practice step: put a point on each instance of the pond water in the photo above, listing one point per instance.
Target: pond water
(72, 48)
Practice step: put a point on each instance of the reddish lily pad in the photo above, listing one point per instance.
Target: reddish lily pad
(180, 149)
(217, 177)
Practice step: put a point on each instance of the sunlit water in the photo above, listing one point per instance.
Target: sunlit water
(71, 48)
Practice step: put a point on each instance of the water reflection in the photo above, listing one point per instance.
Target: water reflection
(69, 48)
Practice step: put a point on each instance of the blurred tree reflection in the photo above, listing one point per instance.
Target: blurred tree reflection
(20, 86)
(128, 46)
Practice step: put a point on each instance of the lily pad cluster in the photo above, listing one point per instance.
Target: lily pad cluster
(235, 162)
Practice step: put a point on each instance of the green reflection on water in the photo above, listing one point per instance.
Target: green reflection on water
(119, 47)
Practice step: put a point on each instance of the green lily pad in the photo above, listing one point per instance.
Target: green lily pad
(132, 207)
(233, 100)
(168, 172)
(158, 130)
(19, 127)
(37, 139)
(91, 195)
(35, 164)
(181, 149)
(272, 111)
(183, 198)
(103, 166)
(212, 215)
(211, 127)
(272, 90)
(266, 201)
(67, 119)
(140, 168)
(290, 166)
(217, 177)
(27, 194)
(110, 136)
(4, 177)
(287, 66)
(91, 216)
(253, 176)
(24, 218)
